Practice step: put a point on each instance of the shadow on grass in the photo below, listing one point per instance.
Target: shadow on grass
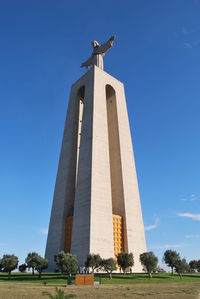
(27, 277)
(134, 276)
(193, 275)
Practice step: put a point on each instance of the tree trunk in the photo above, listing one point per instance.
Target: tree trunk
(69, 280)
(33, 271)
(40, 274)
(180, 275)
(110, 275)
(172, 270)
(150, 275)
(9, 273)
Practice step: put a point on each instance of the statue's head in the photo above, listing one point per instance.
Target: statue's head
(95, 44)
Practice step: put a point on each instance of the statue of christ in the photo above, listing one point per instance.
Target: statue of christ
(98, 52)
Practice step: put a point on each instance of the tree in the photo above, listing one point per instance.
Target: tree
(193, 265)
(70, 265)
(149, 261)
(41, 264)
(198, 265)
(60, 260)
(170, 258)
(93, 261)
(108, 265)
(66, 262)
(9, 263)
(125, 260)
(181, 267)
(31, 261)
(1, 266)
(22, 267)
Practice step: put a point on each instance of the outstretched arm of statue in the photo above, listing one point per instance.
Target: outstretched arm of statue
(88, 62)
(106, 46)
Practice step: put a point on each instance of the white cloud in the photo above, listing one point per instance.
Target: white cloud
(191, 197)
(152, 226)
(44, 231)
(190, 45)
(186, 31)
(184, 199)
(187, 45)
(167, 246)
(195, 217)
(192, 236)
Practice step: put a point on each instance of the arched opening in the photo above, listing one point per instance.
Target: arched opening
(118, 209)
(81, 92)
(80, 95)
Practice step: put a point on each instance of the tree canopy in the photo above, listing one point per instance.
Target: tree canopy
(198, 265)
(22, 267)
(149, 261)
(60, 260)
(193, 265)
(181, 266)
(1, 266)
(171, 257)
(66, 262)
(41, 264)
(31, 261)
(108, 265)
(93, 261)
(70, 264)
(9, 263)
(125, 260)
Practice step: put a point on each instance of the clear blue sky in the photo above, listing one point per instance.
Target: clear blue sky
(157, 56)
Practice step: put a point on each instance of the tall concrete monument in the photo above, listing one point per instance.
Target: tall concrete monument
(96, 206)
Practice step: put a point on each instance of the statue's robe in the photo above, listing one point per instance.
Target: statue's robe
(97, 55)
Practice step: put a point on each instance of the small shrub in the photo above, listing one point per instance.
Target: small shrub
(60, 294)
(22, 268)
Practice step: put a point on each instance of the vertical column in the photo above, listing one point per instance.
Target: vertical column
(101, 231)
(63, 200)
(133, 212)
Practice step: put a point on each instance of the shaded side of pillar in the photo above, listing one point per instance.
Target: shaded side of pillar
(64, 192)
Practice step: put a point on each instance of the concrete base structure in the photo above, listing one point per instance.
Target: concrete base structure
(96, 187)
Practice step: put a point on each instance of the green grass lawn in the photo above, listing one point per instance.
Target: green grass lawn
(143, 278)
(59, 279)
(47, 278)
